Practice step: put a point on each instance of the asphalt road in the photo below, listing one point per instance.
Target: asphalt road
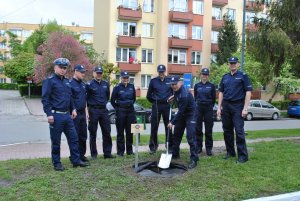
(29, 128)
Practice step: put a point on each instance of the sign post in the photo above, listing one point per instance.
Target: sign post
(137, 129)
(29, 81)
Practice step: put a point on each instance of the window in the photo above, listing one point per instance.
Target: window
(217, 13)
(2, 32)
(148, 30)
(17, 32)
(250, 17)
(1, 69)
(198, 7)
(177, 30)
(231, 14)
(86, 36)
(26, 33)
(255, 104)
(2, 45)
(178, 5)
(126, 28)
(145, 81)
(2, 80)
(123, 54)
(148, 6)
(196, 58)
(131, 78)
(213, 58)
(197, 32)
(147, 56)
(133, 4)
(177, 56)
(214, 36)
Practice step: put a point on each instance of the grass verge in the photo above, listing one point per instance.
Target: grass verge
(273, 168)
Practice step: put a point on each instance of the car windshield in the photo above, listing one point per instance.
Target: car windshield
(295, 103)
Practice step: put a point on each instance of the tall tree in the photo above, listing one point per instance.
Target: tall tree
(228, 40)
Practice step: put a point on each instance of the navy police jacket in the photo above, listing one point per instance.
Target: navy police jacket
(97, 93)
(234, 87)
(123, 96)
(205, 93)
(185, 102)
(78, 93)
(57, 94)
(159, 90)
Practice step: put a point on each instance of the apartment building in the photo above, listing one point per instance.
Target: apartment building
(137, 35)
(23, 31)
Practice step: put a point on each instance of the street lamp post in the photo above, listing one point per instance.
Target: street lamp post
(243, 36)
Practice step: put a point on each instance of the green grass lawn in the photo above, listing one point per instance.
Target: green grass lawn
(273, 168)
(144, 139)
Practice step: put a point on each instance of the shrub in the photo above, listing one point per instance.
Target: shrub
(281, 105)
(144, 102)
(35, 90)
(8, 86)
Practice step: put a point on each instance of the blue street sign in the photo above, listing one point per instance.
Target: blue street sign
(187, 80)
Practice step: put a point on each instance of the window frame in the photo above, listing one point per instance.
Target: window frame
(177, 53)
(196, 6)
(147, 78)
(194, 57)
(197, 29)
(147, 54)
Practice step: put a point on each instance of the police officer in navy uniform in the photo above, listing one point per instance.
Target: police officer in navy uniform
(79, 97)
(158, 93)
(57, 104)
(122, 99)
(98, 93)
(234, 96)
(184, 119)
(205, 98)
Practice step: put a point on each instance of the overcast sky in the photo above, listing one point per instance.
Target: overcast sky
(35, 11)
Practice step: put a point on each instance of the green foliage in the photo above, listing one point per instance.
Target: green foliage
(144, 102)
(281, 105)
(9, 86)
(14, 44)
(20, 67)
(228, 40)
(109, 69)
(251, 67)
(35, 90)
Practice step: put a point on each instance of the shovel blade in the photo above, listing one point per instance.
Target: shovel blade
(165, 161)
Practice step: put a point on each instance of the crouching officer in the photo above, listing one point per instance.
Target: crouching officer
(79, 97)
(158, 93)
(122, 99)
(235, 93)
(57, 103)
(205, 98)
(98, 93)
(184, 119)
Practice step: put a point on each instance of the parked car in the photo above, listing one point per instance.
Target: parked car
(262, 109)
(294, 108)
(138, 109)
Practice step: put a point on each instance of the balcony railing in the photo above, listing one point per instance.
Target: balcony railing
(133, 41)
(181, 68)
(220, 2)
(129, 13)
(175, 42)
(254, 6)
(130, 67)
(177, 16)
(214, 47)
(217, 24)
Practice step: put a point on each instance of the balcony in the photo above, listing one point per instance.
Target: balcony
(220, 2)
(180, 69)
(253, 6)
(129, 67)
(251, 27)
(176, 16)
(180, 43)
(217, 24)
(132, 41)
(129, 13)
(214, 48)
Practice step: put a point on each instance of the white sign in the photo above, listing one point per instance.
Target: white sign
(137, 128)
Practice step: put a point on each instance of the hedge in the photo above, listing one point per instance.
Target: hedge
(281, 105)
(8, 86)
(35, 90)
(144, 102)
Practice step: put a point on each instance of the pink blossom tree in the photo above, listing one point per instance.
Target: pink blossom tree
(60, 44)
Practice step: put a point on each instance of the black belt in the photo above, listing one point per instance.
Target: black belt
(162, 102)
(97, 106)
(126, 106)
(81, 111)
(235, 101)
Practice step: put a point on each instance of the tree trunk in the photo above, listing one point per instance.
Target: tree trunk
(274, 93)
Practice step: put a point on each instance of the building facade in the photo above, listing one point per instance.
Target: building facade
(23, 31)
(137, 35)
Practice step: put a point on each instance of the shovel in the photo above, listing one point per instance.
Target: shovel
(165, 159)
